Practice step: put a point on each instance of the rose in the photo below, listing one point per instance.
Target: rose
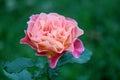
(52, 35)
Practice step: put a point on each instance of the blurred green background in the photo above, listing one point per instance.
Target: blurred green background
(100, 20)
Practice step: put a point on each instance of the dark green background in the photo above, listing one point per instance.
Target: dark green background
(100, 20)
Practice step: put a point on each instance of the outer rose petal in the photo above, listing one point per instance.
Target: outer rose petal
(54, 60)
(54, 57)
(31, 22)
(78, 48)
(26, 40)
(79, 32)
(34, 17)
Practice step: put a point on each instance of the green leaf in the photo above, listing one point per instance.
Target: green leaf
(68, 58)
(53, 73)
(12, 76)
(85, 56)
(38, 74)
(41, 62)
(18, 65)
(23, 75)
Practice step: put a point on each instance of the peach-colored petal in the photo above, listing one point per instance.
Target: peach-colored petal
(27, 41)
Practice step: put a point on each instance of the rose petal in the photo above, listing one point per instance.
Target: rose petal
(78, 48)
(79, 31)
(26, 40)
(34, 17)
(53, 58)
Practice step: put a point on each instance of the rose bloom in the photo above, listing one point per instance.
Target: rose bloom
(51, 35)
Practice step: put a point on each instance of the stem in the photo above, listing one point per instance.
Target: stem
(47, 74)
(48, 77)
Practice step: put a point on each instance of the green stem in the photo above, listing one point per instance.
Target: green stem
(47, 73)
(48, 77)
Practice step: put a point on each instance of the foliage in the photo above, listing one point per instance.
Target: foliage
(17, 69)
(18, 65)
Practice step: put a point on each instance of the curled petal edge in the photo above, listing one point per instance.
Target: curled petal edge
(52, 58)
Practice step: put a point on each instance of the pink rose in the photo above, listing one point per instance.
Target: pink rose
(52, 35)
